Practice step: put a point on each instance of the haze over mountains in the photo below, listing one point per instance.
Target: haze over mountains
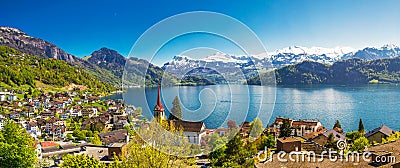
(108, 65)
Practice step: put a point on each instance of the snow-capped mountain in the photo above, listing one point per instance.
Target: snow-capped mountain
(231, 65)
(372, 53)
(296, 54)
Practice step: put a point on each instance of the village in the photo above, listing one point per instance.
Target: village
(81, 123)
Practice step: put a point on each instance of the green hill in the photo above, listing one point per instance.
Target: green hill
(19, 69)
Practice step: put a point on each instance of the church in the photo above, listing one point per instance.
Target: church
(194, 131)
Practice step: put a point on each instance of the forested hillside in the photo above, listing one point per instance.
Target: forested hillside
(19, 69)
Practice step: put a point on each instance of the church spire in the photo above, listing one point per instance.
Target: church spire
(159, 104)
(159, 109)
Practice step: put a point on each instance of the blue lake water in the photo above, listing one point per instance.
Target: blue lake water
(215, 105)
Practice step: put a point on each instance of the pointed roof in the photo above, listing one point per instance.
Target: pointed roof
(383, 129)
(159, 105)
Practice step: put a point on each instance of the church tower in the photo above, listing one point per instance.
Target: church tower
(159, 109)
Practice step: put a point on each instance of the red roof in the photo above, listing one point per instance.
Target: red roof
(48, 144)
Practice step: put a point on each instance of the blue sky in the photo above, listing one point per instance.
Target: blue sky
(82, 27)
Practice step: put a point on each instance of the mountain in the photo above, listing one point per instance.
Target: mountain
(297, 54)
(218, 68)
(20, 41)
(108, 59)
(350, 71)
(221, 68)
(106, 64)
(372, 53)
(19, 69)
(24, 43)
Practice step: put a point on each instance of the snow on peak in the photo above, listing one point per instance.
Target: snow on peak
(389, 47)
(219, 57)
(329, 52)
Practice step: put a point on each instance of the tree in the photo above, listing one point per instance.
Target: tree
(164, 150)
(256, 128)
(16, 146)
(285, 130)
(359, 144)
(353, 135)
(176, 113)
(361, 127)
(331, 143)
(267, 141)
(81, 161)
(337, 124)
(235, 154)
(216, 142)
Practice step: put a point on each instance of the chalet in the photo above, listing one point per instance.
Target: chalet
(322, 139)
(194, 131)
(376, 135)
(288, 144)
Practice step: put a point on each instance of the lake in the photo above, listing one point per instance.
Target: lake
(216, 104)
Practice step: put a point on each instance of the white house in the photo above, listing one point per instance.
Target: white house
(299, 127)
(12, 97)
(194, 131)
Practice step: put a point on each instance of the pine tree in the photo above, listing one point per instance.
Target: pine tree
(337, 124)
(285, 129)
(176, 113)
(361, 127)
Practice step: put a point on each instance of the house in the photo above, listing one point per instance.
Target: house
(121, 122)
(299, 127)
(322, 138)
(76, 111)
(118, 136)
(12, 97)
(2, 97)
(288, 144)
(221, 131)
(376, 135)
(116, 149)
(33, 129)
(64, 116)
(55, 149)
(89, 112)
(194, 131)
(244, 129)
(1, 123)
(47, 113)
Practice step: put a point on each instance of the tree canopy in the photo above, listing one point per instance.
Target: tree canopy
(176, 113)
(361, 127)
(16, 147)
